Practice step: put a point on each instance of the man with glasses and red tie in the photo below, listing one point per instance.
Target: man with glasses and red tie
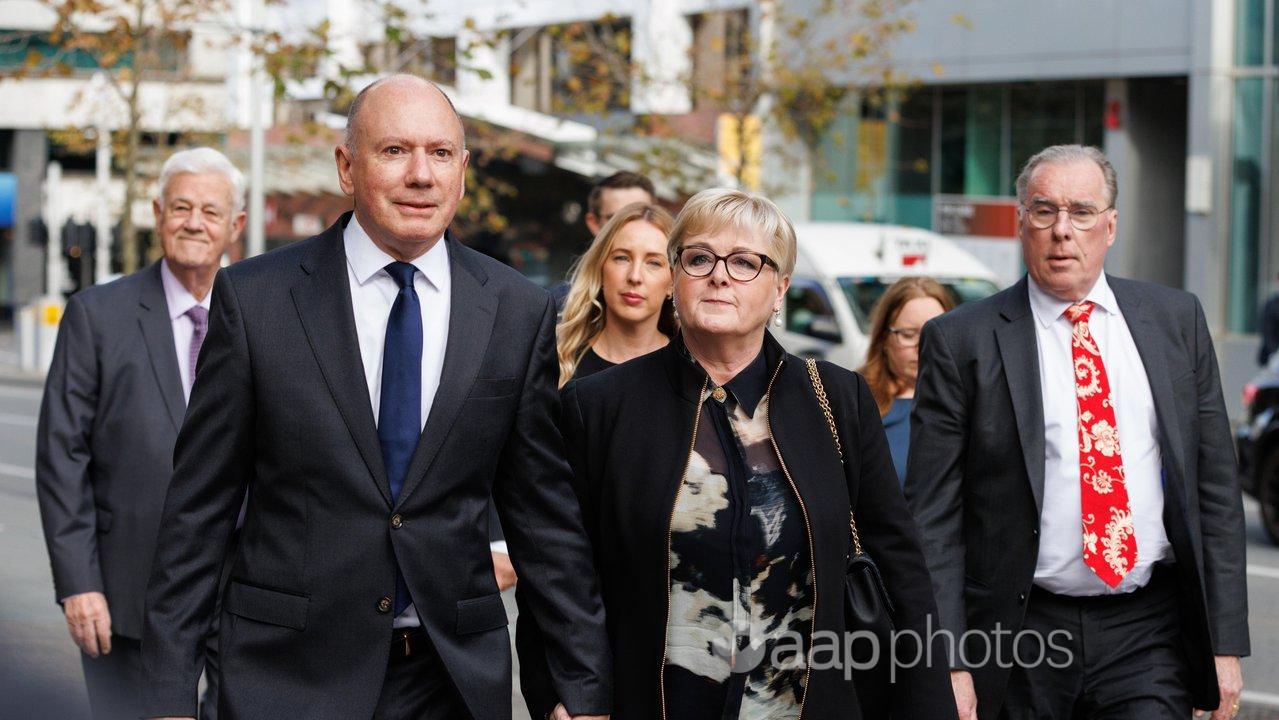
(114, 400)
(1073, 479)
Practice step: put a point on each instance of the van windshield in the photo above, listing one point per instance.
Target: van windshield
(864, 292)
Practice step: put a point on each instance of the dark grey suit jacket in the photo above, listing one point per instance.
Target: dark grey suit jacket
(104, 447)
(975, 479)
(282, 401)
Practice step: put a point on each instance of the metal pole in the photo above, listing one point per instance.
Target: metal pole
(54, 268)
(257, 146)
(102, 223)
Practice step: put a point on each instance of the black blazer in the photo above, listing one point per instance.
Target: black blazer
(282, 402)
(629, 430)
(975, 479)
(112, 407)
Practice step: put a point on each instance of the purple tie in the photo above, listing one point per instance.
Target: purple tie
(200, 320)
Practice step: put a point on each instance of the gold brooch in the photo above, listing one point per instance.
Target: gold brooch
(719, 394)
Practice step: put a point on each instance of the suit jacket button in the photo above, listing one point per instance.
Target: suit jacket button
(384, 605)
(1021, 598)
(397, 521)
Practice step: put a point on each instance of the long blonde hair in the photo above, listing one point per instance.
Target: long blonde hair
(583, 318)
(884, 383)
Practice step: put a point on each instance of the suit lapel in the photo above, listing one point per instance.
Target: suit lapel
(323, 301)
(157, 331)
(1019, 350)
(472, 311)
(1147, 336)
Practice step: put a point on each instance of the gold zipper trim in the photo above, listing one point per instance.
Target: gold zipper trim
(808, 528)
(670, 523)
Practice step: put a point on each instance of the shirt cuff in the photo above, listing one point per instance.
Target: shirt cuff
(498, 546)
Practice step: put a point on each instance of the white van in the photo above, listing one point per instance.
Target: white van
(843, 268)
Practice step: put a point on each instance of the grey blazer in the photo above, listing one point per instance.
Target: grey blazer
(104, 448)
(975, 478)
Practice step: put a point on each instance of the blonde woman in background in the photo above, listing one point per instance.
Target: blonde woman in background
(618, 308)
(618, 305)
(892, 361)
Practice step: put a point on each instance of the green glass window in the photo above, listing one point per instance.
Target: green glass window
(911, 160)
(835, 166)
(1246, 203)
(1043, 114)
(971, 136)
(1250, 32)
(1094, 113)
(983, 126)
(954, 107)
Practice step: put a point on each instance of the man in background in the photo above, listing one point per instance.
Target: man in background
(114, 399)
(612, 194)
(606, 197)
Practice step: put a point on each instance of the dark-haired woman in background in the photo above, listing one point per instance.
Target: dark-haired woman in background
(892, 360)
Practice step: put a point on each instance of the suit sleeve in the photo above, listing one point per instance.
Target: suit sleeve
(549, 546)
(536, 683)
(888, 534)
(1220, 505)
(934, 473)
(63, 484)
(212, 469)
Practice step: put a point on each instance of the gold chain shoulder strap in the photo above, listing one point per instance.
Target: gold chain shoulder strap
(824, 401)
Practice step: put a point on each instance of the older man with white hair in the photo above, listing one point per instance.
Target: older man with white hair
(114, 399)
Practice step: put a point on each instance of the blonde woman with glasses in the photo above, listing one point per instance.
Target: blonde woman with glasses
(719, 502)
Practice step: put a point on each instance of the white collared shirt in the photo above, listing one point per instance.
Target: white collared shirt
(1060, 567)
(373, 292)
(180, 300)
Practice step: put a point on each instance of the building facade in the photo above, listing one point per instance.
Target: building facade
(1181, 94)
(201, 88)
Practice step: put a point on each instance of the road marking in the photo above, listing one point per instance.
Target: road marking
(1260, 698)
(1265, 572)
(19, 420)
(17, 471)
(15, 391)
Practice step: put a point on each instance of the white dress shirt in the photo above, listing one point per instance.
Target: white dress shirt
(180, 300)
(1060, 567)
(373, 292)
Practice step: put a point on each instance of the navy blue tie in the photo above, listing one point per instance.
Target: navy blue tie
(399, 420)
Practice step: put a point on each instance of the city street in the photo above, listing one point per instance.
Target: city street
(39, 669)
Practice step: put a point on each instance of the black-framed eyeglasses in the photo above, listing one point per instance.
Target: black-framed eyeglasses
(742, 266)
(1042, 215)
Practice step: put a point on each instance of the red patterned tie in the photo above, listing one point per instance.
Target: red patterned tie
(1110, 547)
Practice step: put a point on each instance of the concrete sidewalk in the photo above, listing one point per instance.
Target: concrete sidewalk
(11, 371)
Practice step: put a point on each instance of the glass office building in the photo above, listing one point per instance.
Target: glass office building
(1183, 96)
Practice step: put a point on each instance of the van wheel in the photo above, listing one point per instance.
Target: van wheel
(1268, 494)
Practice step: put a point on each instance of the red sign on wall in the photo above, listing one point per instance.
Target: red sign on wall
(975, 216)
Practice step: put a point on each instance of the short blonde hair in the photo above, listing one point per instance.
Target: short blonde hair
(713, 210)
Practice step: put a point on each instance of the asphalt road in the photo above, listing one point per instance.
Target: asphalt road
(40, 673)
